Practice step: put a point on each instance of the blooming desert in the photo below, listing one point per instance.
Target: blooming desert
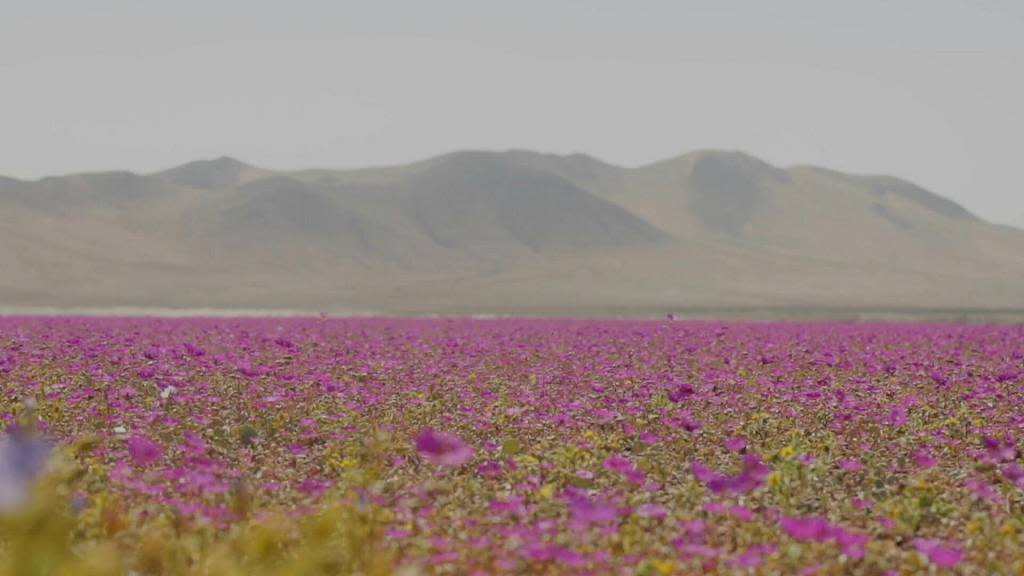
(379, 446)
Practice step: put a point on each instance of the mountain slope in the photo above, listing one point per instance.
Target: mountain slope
(514, 231)
(222, 172)
(483, 200)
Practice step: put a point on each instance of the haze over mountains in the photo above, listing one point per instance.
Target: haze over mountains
(500, 232)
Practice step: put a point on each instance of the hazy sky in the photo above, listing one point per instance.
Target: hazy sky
(930, 90)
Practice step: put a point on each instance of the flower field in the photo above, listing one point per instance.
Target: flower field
(378, 446)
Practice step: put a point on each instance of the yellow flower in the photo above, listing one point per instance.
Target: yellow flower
(664, 566)
(527, 460)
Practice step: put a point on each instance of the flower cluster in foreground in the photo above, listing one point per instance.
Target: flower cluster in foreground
(376, 446)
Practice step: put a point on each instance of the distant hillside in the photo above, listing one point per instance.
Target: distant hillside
(501, 232)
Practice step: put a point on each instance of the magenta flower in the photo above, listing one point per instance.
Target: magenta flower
(619, 464)
(815, 528)
(897, 417)
(852, 544)
(818, 529)
(624, 466)
(687, 550)
(923, 459)
(741, 513)
(195, 445)
(983, 490)
(489, 469)
(649, 438)
(1000, 450)
(681, 392)
(750, 478)
(143, 451)
(1015, 474)
(654, 511)
(850, 465)
(753, 556)
(939, 553)
(736, 444)
(585, 511)
(443, 449)
(315, 488)
(513, 505)
(862, 504)
(585, 475)
(693, 531)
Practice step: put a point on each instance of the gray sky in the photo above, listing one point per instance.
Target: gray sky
(930, 90)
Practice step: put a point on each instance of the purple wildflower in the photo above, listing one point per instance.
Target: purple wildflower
(443, 449)
(815, 529)
(143, 451)
(584, 510)
(939, 553)
(750, 478)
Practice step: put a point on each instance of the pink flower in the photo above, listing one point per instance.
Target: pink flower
(736, 444)
(680, 393)
(605, 416)
(862, 504)
(654, 511)
(806, 459)
(1015, 474)
(1000, 450)
(443, 449)
(514, 505)
(753, 556)
(814, 528)
(489, 469)
(923, 459)
(314, 488)
(897, 417)
(852, 544)
(741, 513)
(649, 438)
(818, 529)
(585, 511)
(624, 466)
(983, 490)
(687, 550)
(693, 531)
(195, 445)
(750, 478)
(143, 451)
(619, 464)
(850, 466)
(942, 554)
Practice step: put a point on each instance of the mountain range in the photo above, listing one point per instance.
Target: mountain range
(514, 232)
